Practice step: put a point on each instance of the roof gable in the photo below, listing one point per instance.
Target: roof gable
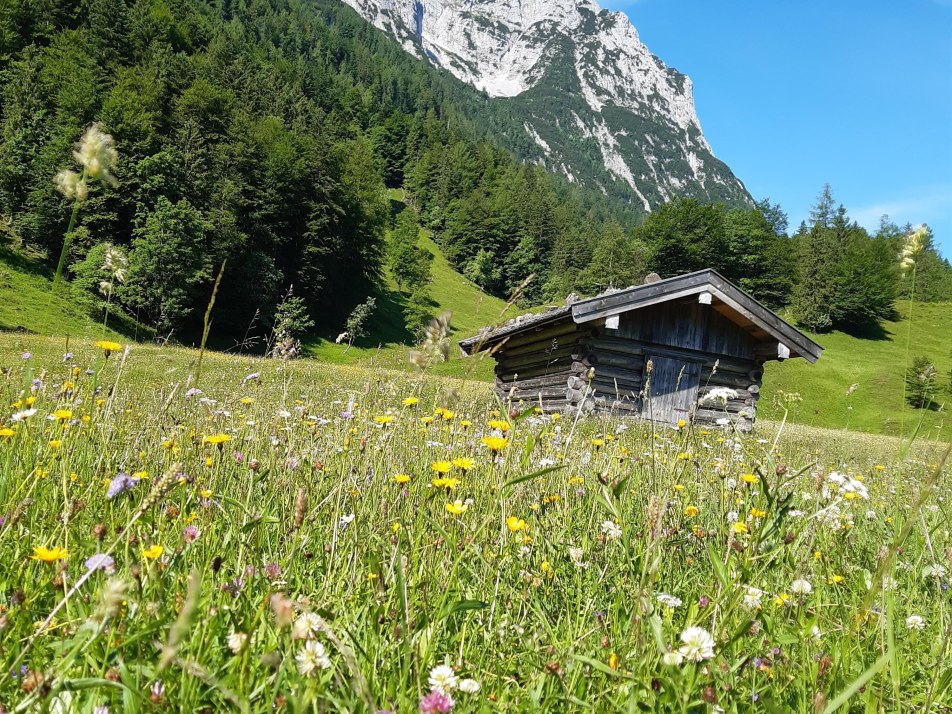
(732, 301)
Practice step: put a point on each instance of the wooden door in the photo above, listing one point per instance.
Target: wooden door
(672, 389)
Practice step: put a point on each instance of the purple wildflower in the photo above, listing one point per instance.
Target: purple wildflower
(100, 561)
(67, 356)
(252, 376)
(346, 415)
(26, 355)
(272, 570)
(120, 482)
(191, 533)
(234, 587)
(436, 703)
(193, 392)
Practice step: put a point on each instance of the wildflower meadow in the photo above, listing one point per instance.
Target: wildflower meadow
(287, 536)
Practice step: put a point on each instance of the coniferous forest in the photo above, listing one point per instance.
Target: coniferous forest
(263, 135)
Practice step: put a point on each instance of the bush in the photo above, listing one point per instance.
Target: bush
(921, 381)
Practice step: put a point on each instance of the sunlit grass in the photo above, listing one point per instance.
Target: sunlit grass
(560, 565)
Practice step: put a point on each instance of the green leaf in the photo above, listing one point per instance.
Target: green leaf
(720, 569)
(857, 684)
(529, 477)
(600, 666)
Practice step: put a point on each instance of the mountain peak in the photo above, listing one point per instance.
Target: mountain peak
(586, 84)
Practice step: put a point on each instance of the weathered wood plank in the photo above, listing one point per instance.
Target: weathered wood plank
(560, 356)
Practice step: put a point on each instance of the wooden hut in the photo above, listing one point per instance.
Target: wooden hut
(687, 348)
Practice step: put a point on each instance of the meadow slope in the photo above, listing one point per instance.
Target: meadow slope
(875, 365)
(279, 536)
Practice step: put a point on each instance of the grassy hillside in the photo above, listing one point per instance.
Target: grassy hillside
(876, 366)
(27, 304)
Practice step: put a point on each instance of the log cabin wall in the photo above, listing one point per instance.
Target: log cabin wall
(693, 332)
(550, 365)
(542, 365)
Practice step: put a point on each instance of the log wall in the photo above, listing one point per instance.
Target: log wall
(567, 366)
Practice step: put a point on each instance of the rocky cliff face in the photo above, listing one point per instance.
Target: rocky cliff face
(597, 105)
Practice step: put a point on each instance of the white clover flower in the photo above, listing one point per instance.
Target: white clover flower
(816, 633)
(576, 554)
(668, 600)
(753, 597)
(611, 530)
(469, 686)
(237, 641)
(673, 659)
(25, 414)
(306, 626)
(915, 622)
(312, 658)
(698, 644)
(443, 679)
(935, 570)
(801, 586)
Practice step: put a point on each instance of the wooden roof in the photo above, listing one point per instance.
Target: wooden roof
(726, 298)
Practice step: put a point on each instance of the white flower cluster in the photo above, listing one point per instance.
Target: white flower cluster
(837, 484)
(719, 394)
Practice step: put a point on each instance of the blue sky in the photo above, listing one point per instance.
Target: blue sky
(793, 95)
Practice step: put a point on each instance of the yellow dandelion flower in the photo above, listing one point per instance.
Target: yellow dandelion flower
(749, 478)
(447, 415)
(396, 527)
(216, 439)
(598, 443)
(444, 482)
(410, 401)
(682, 423)
(247, 400)
(678, 487)
(835, 579)
(465, 423)
(739, 527)
(426, 419)
(48, 555)
(757, 513)
(6, 432)
(62, 414)
(782, 599)
(402, 478)
(108, 347)
(499, 424)
(55, 443)
(153, 552)
(613, 661)
(547, 569)
(464, 463)
(691, 511)
(457, 508)
(441, 467)
(495, 443)
(384, 419)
